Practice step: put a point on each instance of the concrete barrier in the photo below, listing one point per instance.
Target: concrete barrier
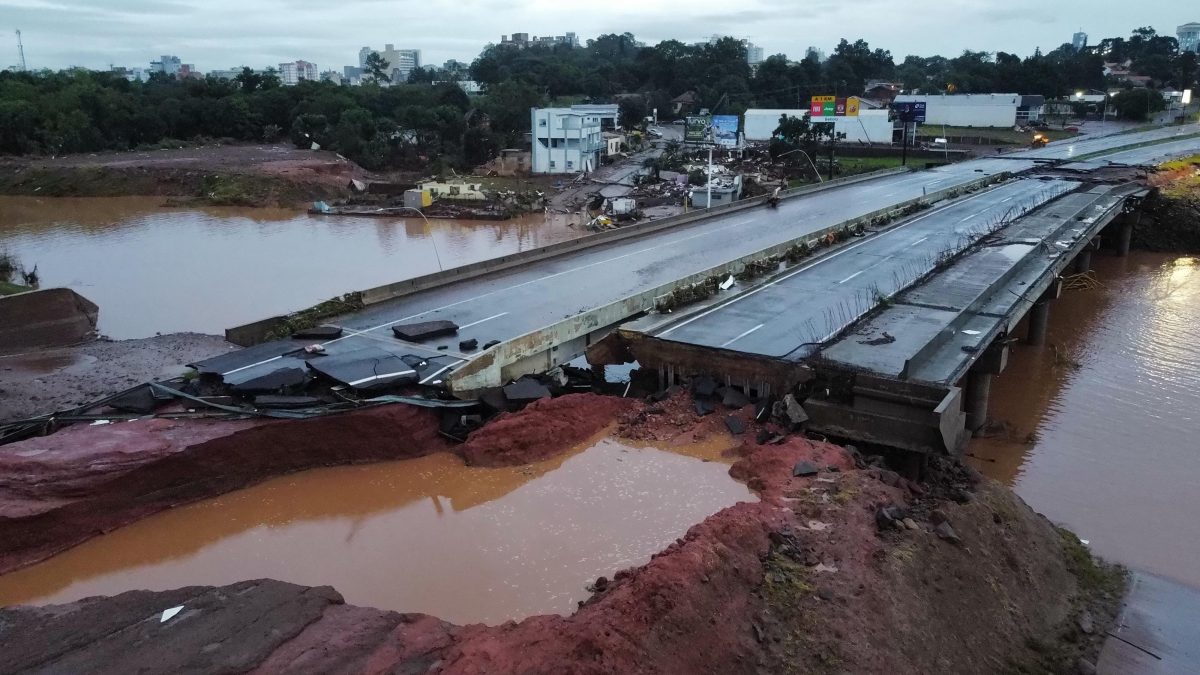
(565, 340)
(255, 332)
(51, 317)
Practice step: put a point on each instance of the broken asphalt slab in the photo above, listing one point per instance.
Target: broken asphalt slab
(425, 330)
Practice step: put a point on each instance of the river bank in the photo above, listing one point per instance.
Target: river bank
(228, 175)
(822, 574)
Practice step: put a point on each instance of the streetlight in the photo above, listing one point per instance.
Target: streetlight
(432, 239)
(1104, 114)
(810, 162)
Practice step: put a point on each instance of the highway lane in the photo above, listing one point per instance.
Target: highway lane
(513, 302)
(811, 304)
(1084, 145)
(1155, 154)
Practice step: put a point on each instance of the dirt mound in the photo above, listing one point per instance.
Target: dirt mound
(841, 569)
(59, 490)
(542, 429)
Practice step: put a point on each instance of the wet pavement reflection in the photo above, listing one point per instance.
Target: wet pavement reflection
(426, 535)
(1098, 430)
(164, 270)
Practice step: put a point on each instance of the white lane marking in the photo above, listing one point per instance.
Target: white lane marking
(851, 276)
(917, 242)
(729, 342)
(381, 376)
(437, 372)
(1008, 199)
(238, 370)
(969, 217)
(831, 256)
(471, 325)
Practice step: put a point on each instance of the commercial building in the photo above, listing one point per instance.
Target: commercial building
(815, 53)
(1189, 37)
(565, 140)
(607, 112)
(1079, 41)
(754, 53)
(400, 62)
(868, 126)
(523, 40)
(968, 110)
(166, 64)
(292, 73)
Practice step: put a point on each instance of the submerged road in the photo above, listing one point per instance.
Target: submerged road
(793, 314)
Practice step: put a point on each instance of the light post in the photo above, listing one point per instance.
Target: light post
(1104, 113)
(432, 240)
(810, 162)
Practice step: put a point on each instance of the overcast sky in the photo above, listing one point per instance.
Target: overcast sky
(223, 33)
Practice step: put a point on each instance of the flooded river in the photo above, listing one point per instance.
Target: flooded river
(425, 535)
(1105, 436)
(165, 270)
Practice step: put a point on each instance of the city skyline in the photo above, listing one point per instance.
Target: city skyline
(218, 35)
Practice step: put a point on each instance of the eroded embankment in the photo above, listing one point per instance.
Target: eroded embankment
(1170, 219)
(845, 568)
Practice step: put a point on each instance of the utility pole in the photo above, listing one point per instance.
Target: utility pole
(708, 204)
(20, 52)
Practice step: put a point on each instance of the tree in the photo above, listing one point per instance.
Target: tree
(1138, 104)
(378, 67)
(631, 111)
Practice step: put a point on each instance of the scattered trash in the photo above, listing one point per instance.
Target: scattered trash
(823, 568)
(99, 422)
(169, 614)
(526, 390)
(727, 284)
(468, 345)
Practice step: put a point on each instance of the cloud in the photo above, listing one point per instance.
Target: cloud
(222, 33)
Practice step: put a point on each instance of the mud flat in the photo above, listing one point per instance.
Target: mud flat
(841, 566)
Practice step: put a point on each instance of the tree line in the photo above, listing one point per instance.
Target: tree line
(418, 124)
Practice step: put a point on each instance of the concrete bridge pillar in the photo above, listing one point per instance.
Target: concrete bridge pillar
(1039, 320)
(1124, 238)
(979, 387)
(1083, 262)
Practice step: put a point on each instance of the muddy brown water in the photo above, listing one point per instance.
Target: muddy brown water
(165, 270)
(425, 535)
(1100, 430)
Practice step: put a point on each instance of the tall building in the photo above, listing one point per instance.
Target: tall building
(400, 62)
(1189, 37)
(1079, 41)
(815, 53)
(523, 40)
(565, 140)
(291, 74)
(166, 64)
(754, 53)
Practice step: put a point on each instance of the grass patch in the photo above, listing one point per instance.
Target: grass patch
(1094, 577)
(9, 288)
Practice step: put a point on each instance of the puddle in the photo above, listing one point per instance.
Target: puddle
(426, 535)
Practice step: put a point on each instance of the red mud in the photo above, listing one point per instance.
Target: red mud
(801, 581)
(59, 490)
(542, 429)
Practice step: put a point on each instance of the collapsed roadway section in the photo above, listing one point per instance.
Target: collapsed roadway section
(892, 339)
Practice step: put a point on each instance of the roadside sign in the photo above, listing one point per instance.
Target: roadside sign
(910, 111)
(698, 129)
(815, 109)
(725, 130)
(852, 105)
(840, 107)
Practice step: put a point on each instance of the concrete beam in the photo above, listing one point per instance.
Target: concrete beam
(979, 386)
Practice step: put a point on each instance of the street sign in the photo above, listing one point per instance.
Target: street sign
(910, 111)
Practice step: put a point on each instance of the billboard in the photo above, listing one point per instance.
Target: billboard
(910, 111)
(698, 129)
(832, 106)
(725, 130)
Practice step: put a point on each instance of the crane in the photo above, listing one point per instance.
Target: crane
(20, 52)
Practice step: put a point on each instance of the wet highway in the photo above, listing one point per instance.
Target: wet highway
(514, 302)
(791, 315)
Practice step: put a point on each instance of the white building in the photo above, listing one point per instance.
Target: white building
(401, 62)
(1189, 37)
(754, 53)
(868, 126)
(609, 113)
(1079, 41)
(290, 74)
(565, 140)
(968, 110)
(166, 64)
